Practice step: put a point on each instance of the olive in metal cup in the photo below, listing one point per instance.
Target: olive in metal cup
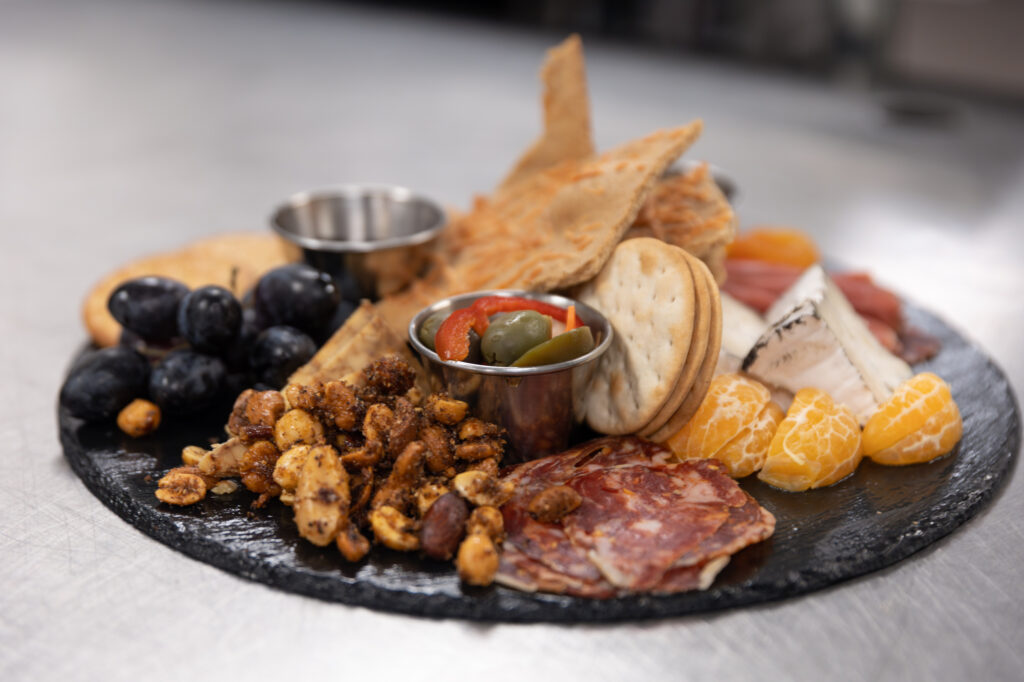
(374, 239)
(537, 406)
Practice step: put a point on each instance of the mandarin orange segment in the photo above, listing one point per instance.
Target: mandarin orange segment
(918, 423)
(731, 405)
(775, 245)
(745, 453)
(817, 444)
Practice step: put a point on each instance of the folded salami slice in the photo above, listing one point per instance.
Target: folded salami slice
(635, 522)
(644, 524)
(747, 524)
(519, 571)
(547, 543)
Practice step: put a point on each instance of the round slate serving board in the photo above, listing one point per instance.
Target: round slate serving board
(876, 517)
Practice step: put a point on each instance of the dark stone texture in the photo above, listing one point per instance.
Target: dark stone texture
(874, 518)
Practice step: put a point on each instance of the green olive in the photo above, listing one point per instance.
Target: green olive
(428, 330)
(564, 347)
(511, 334)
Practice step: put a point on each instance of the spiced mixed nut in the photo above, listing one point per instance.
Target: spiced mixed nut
(356, 462)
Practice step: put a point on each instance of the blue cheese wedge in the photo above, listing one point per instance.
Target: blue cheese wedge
(741, 328)
(817, 340)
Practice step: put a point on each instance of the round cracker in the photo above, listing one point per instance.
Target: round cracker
(646, 291)
(237, 259)
(707, 370)
(695, 356)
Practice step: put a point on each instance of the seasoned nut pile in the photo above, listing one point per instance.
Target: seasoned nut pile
(364, 461)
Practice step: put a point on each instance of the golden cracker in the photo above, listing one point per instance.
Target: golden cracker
(646, 292)
(694, 357)
(707, 371)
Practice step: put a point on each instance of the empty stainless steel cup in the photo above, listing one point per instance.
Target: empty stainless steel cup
(537, 406)
(375, 239)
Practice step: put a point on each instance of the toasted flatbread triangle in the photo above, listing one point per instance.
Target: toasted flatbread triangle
(363, 338)
(558, 228)
(554, 230)
(566, 132)
(687, 209)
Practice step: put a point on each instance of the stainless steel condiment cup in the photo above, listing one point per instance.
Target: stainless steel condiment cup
(537, 406)
(374, 238)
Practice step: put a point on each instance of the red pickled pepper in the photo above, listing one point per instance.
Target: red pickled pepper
(452, 338)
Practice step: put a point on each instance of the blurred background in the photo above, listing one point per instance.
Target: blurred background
(969, 46)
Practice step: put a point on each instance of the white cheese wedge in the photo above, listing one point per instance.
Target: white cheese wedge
(741, 328)
(817, 340)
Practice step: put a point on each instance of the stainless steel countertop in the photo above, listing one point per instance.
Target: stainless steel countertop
(129, 127)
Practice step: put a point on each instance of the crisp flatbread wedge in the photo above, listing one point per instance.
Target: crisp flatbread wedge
(695, 355)
(364, 338)
(704, 376)
(689, 210)
(551, 231)
(646, 291)
(331, 361)
(567, 132)
(231, 260)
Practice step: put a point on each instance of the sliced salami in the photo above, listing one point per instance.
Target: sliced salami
(635, 522)
(644, 524)
(747, 524)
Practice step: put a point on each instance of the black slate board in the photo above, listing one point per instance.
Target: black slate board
(873, 519)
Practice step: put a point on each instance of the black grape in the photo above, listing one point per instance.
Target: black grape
(101, 383)
(297, 296)
(186, 381)
(148, 306)
(209, 318)
(279, 351)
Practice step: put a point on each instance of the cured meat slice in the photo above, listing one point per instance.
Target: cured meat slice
(547, 543)
(747, 524)
(686, 578)
(635, 522)
(602, 453)
(759, 284)
(520, 572)
(644, 524)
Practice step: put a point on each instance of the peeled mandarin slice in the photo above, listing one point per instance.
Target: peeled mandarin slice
(918, 423)
(732, 403)
(817, 444)
(746, 453)
(775, 245)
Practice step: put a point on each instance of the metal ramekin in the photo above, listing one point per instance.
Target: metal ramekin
(374, 238)
(537, 406)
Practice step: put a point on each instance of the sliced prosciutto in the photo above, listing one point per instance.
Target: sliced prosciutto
(759, 284)
(645, 524)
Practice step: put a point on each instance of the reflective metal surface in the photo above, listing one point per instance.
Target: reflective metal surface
(155, 123)
(375, 236)
(535, 405)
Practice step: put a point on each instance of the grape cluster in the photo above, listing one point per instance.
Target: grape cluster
(182, 349)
